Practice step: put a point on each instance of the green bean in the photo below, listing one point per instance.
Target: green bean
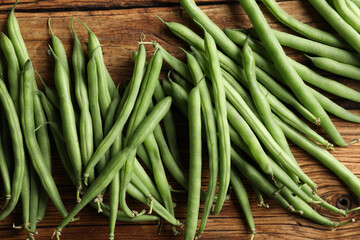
(242, 197)
(287, 71)
(262, 104)
(114, 192)
(221, 120)
(356, 2)
(124, 114)
(342, 69)
(27, 120)
(81, 94)
(5, 176)
(304, 29)
(67, 115)
(334, 108)
(305, 73)
(337, 22)
(17, 146)
(259, 197)
(16, 38)
(13, 70)
(170, 129)
(315, 48)
(59, 49)
(345, 12)
(193, 202)
(104, 94)
(117, 162)
(323, 156)
(194, 40)
(6, 141)
(94, 106)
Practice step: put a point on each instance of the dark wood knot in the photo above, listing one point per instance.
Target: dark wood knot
(345, 202)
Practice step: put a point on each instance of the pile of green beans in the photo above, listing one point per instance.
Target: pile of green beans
(238, 90)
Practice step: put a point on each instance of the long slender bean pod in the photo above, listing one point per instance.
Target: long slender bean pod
(34, 202)
(221, 120)
(195, 164)
(304, 29)
(62, 83)
(342, 69)
(242, 197)
(13, 70)
(102, 76)
(5, 176)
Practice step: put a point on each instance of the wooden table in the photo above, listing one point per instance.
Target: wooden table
(118, 25)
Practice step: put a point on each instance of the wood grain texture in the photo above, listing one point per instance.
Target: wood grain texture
(118, 25)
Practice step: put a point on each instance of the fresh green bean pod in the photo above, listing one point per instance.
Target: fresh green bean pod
(342, 69)
(13, 70)
(17, 146)
(221, 120)
(304, 29)
(193, 202)
(25, 196)
(102, 75)
(27, 120)
(111, 114)
(144, 156)
(334, 108)
(116, 163)
(81, 93)
(62, 83)
(353, 7)
(337, 22)
(315, 48)
(51, 94)
(242, 197)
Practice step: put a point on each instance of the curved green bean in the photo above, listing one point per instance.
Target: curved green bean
(304, 29)
(5, 176)
(342, 69)
(347, 14)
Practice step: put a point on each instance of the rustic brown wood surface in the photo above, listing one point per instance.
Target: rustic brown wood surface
(118, 25)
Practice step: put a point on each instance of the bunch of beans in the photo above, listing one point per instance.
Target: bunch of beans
(239, 101)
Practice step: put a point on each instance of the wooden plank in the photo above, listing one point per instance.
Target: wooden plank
(119, 29)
